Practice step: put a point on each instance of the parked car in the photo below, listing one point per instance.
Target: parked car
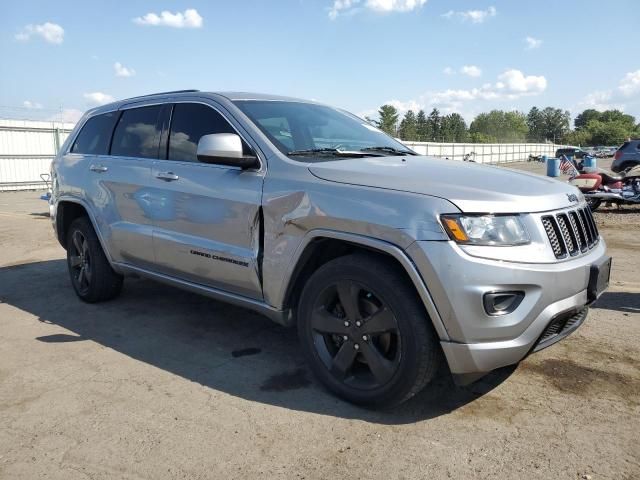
(627, 156)
(574, 152)
(387, 262)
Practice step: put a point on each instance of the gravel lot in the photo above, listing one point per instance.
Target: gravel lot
(165, 384)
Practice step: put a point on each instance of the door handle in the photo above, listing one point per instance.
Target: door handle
(167, 176)
(98, 168)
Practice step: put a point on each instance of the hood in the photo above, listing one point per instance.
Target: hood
(470, 186)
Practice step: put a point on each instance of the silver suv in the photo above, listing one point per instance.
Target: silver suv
(390, 263)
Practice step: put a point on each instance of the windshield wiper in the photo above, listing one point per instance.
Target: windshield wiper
(388, 149)
(331, 151)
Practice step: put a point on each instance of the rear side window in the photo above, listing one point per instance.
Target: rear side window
(137, 133)
(623, 146)
(189, 122)
(94, 137)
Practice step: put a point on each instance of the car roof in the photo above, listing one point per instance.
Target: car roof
(168, 96)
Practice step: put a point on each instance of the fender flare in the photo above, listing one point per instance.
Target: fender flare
(375, 244)
(92, 219)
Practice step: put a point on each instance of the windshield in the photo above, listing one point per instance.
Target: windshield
(318, 133)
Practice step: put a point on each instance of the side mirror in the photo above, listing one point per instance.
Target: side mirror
(224, 149)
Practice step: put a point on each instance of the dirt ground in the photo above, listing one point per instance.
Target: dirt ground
(166, 384)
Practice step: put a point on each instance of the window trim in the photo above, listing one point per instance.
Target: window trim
(252, 144)
(73, 139)
(159, 123)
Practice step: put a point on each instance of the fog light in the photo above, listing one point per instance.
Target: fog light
(501, 303)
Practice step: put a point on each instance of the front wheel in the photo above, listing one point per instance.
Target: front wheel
(365, 332)
(92, 277)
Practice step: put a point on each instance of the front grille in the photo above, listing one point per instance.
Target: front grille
(560, 327)
(571, 232)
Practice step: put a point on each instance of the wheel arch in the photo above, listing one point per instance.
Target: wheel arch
(69, 209)
(321, 246)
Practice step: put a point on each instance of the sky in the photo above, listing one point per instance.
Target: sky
(467, 56)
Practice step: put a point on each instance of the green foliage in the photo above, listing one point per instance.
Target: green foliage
(585, 117)
(409, 127)
(434, 126)
(608, 133)
(578, 137)
(549, 124)
(388, 120)
(453, 128)
(611, 127)
(421, 126)
(501, 125)
(448, 128)
(477, 137)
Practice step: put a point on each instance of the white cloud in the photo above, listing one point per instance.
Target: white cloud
(190, 18)
(348, 7)
(510, 85)
(625, 97)
(532, 43)
(448, 71)
(473, 16)
(471, 70)
(50, 32)
(97, 98)
(31, 105)
(630, 84)
(515, 82)
(122, 71)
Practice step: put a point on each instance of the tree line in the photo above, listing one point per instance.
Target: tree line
(611, 127)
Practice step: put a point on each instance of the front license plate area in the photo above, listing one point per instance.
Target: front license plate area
(599, 276)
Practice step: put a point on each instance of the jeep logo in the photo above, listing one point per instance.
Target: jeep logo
(572, 197)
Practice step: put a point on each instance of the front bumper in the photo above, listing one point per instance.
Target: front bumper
(478, 342)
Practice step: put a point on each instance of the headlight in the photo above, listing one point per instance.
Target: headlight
(500, 230)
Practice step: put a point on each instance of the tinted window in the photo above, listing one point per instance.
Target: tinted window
(94, 137)
(189, 122)
(137, 133)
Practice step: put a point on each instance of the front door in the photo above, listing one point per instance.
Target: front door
(208, 230)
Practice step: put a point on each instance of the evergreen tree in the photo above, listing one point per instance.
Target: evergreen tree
(408, 127)
(421, 126)
(388, 120)
(453, 128)
(434, 125)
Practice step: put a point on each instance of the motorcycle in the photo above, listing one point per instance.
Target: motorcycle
(605, 186)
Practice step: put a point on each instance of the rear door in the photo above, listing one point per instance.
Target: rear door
(120, 182)
(209, 228)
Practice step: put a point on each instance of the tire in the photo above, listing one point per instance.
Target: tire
(594, 203)
(92, 277)
(399, 343)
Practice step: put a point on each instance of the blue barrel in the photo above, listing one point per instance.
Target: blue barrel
(589, 162)
(553, 167)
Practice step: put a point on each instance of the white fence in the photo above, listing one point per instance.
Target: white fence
(485, 152)
(26, 150)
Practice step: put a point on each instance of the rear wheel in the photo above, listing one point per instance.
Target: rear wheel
(92, 277)
(594, 203)
(365, 333)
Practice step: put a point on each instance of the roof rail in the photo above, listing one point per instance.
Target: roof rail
(164, 93)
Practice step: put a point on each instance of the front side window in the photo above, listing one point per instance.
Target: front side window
(189, 122)
(298, 127)
(94, 137)
(137, 133)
